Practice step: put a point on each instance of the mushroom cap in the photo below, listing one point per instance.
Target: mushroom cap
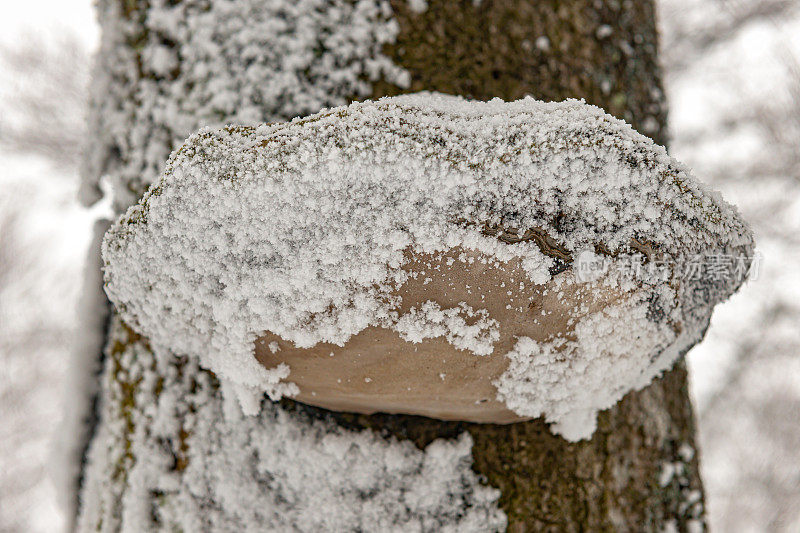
(422, 255)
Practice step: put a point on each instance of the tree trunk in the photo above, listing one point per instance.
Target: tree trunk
(639, 472)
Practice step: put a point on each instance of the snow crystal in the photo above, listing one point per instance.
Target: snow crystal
(667, 473)
(675, 476)
(568, 381)
(604, 31)
(418, 6)
(301, 229)
(432, 321)
(686, 452)
(543, 43)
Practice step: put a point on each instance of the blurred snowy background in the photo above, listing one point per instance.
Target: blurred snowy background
(733, 81)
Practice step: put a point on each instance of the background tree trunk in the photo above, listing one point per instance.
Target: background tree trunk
(639, 472)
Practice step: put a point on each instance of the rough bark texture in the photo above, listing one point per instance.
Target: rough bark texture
(606, 53)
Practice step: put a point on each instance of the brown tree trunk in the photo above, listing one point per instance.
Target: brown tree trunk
(604, 52)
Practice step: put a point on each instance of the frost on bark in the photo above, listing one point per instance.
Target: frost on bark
(167, 68)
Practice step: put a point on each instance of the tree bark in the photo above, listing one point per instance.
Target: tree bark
(604, 52)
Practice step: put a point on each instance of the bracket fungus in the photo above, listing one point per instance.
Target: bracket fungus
(425, 254)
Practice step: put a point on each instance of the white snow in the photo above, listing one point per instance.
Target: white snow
(568, 381)
(418, 6)
(278, 471)
(543, 43)
(432, 321)
(299, 229)
(667, 473)
(604, 31)
(247, 62)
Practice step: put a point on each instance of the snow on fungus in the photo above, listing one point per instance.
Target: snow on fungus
(354, 257)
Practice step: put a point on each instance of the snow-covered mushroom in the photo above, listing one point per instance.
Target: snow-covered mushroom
(481, 261)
